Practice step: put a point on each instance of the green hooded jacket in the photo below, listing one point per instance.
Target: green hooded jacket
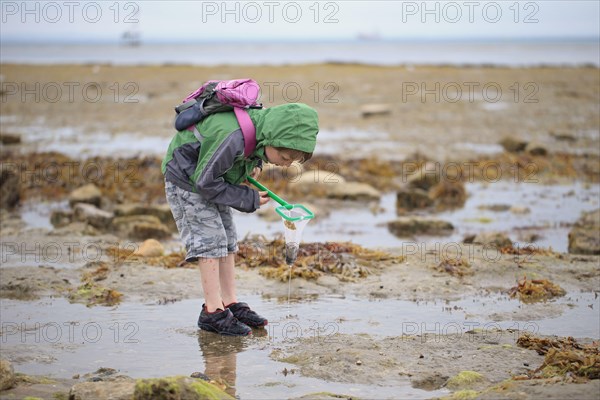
(216, 166)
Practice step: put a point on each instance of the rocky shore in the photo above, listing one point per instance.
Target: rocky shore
(107, 241)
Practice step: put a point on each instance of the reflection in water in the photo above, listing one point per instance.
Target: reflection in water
(220, 356)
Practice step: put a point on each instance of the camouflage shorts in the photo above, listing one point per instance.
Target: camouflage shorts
(206, 228)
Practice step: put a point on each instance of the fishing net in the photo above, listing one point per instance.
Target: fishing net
(295, 217)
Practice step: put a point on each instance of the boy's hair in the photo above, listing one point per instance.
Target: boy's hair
(299, 155)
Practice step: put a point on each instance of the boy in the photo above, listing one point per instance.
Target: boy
(202, 183)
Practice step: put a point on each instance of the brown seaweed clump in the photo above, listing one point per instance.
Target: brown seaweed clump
(527, 251)
(455, 267)
(533, 290)
(564, 357)
(53, 175)
(93, 294)
(90, 292)
(173, 260)
(98, 274)
(347, 261)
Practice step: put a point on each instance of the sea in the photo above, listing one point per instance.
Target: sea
(514, 53)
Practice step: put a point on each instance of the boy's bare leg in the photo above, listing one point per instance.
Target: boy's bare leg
(227, 279)
(209, 273)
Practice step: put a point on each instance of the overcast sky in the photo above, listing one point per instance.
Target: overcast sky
(177, 21)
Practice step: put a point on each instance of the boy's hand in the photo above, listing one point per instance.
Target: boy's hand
(264, 198)
(255, 172)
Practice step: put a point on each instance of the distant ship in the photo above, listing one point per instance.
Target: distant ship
(368, 36)
(131, 38)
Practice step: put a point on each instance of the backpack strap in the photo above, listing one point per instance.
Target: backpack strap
(196, 133)
(246, 126)
(248, 130)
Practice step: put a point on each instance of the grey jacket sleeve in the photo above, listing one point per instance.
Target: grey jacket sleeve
(213, 187)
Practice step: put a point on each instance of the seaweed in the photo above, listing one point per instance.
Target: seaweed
(563, 357)
(118, 176)
(98, 274)
(93, 294)
(172, 260)
(527, 250)
(455, 267)
(347, 261)
(530, 291)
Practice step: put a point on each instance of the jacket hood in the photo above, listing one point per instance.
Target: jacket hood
(293, 126)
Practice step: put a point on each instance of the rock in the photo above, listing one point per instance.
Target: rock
(60, 218)
(412, 199)
(536, 149)
(368, 110)
(102, 373)
(329, 281)
(10, 188)
(75, 228)
(123, 224)
(582, 241)
(469, 239)
(495, 207)
(425, 177)
(407, 227)
(184, 388)
(513, 145)
(448, 194)
(563, 137)
(86, 194)
(114, 388)
(519, 210)
(353, 191)
(200, 375)
(268, 213)
(584, 237)
(328, 184)
(495, 239)
(150, 248)
(92, 215)
(429, 382)
(320, 212)
(140, 227)
(7, 375)
(275, 172)
(10, 138)
(313, 180)
(530, 237)
(161, 211)
(144, 231)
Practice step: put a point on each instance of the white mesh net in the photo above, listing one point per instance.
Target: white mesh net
(293, 232)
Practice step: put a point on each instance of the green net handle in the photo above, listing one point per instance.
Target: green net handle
(269, 193)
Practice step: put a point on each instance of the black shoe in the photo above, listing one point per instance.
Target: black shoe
(222, 322)
(244, 314)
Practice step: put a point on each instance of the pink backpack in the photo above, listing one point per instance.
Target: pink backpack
(218, 96)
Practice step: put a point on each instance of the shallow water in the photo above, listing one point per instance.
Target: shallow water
(52, 337)
(76, 143)
(37, 214)
(379, 52)
(553, 209)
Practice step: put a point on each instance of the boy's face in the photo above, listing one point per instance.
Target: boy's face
(278, 157)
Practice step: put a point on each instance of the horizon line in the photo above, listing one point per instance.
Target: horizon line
(461, 39)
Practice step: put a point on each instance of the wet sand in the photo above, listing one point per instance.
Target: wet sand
(454, 112)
